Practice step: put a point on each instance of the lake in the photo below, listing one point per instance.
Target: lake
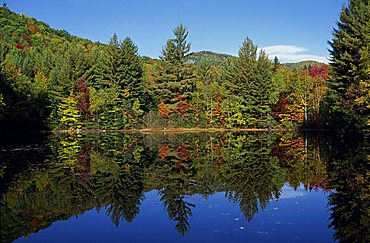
(193, 187)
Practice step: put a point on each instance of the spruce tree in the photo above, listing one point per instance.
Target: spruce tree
(350, 62)
(175, 76)
(249, 88)
(119, 66)
(107, 66)
(118, 73)
(131, 76)
(276, 63)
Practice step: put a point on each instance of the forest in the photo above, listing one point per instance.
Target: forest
(51, 80)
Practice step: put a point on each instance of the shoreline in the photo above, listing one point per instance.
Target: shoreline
(183, 130)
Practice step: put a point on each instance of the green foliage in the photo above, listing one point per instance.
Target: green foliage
(350, 62)
(249, 88)
(252, 172)
(303, 65)
(68, 114)
(174, 76)
(117, 78)
(207, 58)
(349, 176)
(2, 104)
(40, 67)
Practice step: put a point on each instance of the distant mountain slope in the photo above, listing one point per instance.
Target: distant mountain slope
(302, 65)
(207, 57)
(27, 31)
(38, 66)
(214, 58)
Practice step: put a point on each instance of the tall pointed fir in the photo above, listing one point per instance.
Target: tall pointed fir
(118, 77)
(350, 62)
(249, 88)
(175, 79)
(107, 66)
(131, 76)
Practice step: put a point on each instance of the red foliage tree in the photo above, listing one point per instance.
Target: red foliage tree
(320, 72)
(182, 106)
(83, 98)
(163, 109)
(19, 46)
(163, 151)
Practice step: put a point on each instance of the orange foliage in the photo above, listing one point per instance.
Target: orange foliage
(182, 106)
(163, 151)
(216, 111)
(289, 149)
(32, 28)
(288, 111)
(182, 153)
(163, 109)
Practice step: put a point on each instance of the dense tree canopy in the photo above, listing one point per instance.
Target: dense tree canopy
(53, 80)
(249, 86)
(350, 61)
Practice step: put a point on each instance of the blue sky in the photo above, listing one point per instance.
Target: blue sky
(293, 30)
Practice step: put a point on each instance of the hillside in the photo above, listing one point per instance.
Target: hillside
(38, 66)
(214, 58)
(207, 57)
(27, 31)
(302, 65)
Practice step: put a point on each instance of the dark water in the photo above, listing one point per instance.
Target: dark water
(246, 187)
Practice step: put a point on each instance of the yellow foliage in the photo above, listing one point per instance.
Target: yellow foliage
(127, 168)
(41, 80)
(126, 93)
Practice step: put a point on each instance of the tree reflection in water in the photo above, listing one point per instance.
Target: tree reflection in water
(113, 171)
(349, 171)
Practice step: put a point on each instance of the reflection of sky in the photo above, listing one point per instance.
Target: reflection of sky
(289, 192)
(301, 217)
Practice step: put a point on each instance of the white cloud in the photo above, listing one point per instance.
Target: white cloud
(289, 53)
(289, 192)
(284, 49)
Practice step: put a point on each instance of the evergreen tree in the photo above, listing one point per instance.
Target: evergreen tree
(118, 74)
(175, 76)
(119, 66)
(107, 66)
(350, 61)
(249, 183)
(131, 77)
(249, 88)
(276, 63)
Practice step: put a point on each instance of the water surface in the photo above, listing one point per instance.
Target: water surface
(255, 187)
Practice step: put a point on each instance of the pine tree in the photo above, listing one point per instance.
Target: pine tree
(350, 61)
(119, 66)
(118, 71)
(174, 75)
(276, 63)
(131, 76)
(249, 88)
(107, 66)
